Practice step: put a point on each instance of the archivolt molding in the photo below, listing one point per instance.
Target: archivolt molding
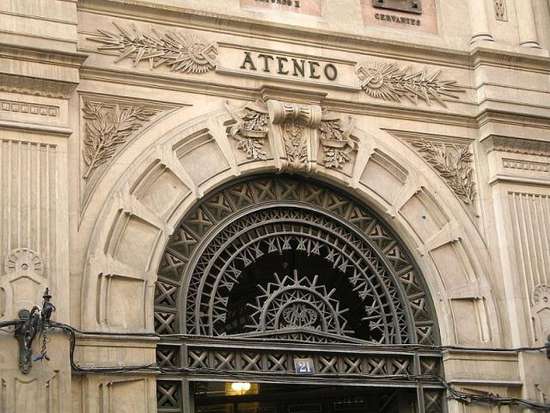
(164, 181)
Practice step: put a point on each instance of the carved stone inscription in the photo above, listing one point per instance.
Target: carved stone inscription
(415, 15)
(311, 7)
(288, 66)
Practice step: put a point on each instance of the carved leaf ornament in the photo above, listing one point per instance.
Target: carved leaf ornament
(185, 53)
(107, 128)
(453, 163)
(392, 83)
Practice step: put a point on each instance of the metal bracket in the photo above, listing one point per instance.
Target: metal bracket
(407, 6)
(30, 324)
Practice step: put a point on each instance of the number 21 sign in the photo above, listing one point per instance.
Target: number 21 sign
(304, 366)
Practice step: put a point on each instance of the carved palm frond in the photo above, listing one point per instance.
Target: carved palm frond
(106, 129)
(453, 163)
(392, 83)
(183, 53)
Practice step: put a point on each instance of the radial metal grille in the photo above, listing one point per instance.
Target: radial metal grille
(235, 227)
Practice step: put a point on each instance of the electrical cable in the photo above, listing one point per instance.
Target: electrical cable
(452, 393)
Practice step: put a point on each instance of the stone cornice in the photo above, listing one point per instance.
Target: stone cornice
(234, 92)
(185, 17)
(56, 57)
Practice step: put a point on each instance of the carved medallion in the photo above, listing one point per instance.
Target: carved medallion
(392, 83)
(23, 260)
(182, 52)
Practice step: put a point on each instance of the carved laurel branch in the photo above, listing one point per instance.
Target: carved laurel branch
(454, 164)
(107, 128)
(392, 83)
(184, 53)
(250, 130)
(337, 142)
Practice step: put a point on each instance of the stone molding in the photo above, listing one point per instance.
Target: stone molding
(518, 146)
(27, 107)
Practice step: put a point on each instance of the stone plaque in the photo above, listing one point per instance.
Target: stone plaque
(408, 6)
(311, 7)
(287, 67)
(410, 15)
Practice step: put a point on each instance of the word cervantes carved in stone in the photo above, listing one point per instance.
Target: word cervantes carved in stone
(392, 83)
(106, 129)
(182, 52)
(297, 123)
(454, 163)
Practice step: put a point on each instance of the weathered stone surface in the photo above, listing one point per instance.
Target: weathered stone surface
(117, 118)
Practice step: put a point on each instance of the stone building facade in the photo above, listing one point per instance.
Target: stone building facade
(345, 194)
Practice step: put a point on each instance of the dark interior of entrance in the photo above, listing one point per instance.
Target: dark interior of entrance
(264, 271)
(226, 397)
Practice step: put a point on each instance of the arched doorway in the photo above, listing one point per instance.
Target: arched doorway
(279, 279)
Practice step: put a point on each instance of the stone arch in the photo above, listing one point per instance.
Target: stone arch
(155, 184)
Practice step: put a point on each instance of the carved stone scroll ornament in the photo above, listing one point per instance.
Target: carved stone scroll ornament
(108, 127)
(453, 162)
(182, 52)
(392, 83)
(297, 121)
(251, 129)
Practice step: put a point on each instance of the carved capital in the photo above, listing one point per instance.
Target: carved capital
(304, 115)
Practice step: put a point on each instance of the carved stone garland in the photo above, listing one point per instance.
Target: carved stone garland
(376, 266)
(182, 52)
(393, 83)
(298, 126)
(453, 162)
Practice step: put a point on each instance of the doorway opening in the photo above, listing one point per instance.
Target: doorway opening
(269, 272)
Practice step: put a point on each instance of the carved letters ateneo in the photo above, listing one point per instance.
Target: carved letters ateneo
(288, 66)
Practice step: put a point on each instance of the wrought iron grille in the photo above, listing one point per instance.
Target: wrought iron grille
(270, 261)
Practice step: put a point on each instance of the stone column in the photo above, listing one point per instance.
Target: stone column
(526, 24)
(478, 19)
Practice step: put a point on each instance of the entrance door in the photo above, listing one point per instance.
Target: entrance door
(238, 397)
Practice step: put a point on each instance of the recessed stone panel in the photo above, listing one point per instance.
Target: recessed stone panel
(125, 302)
(201, 156)
(383, 175)
(376, 14)
(423, 215)
(161, 190)
(138, 236)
